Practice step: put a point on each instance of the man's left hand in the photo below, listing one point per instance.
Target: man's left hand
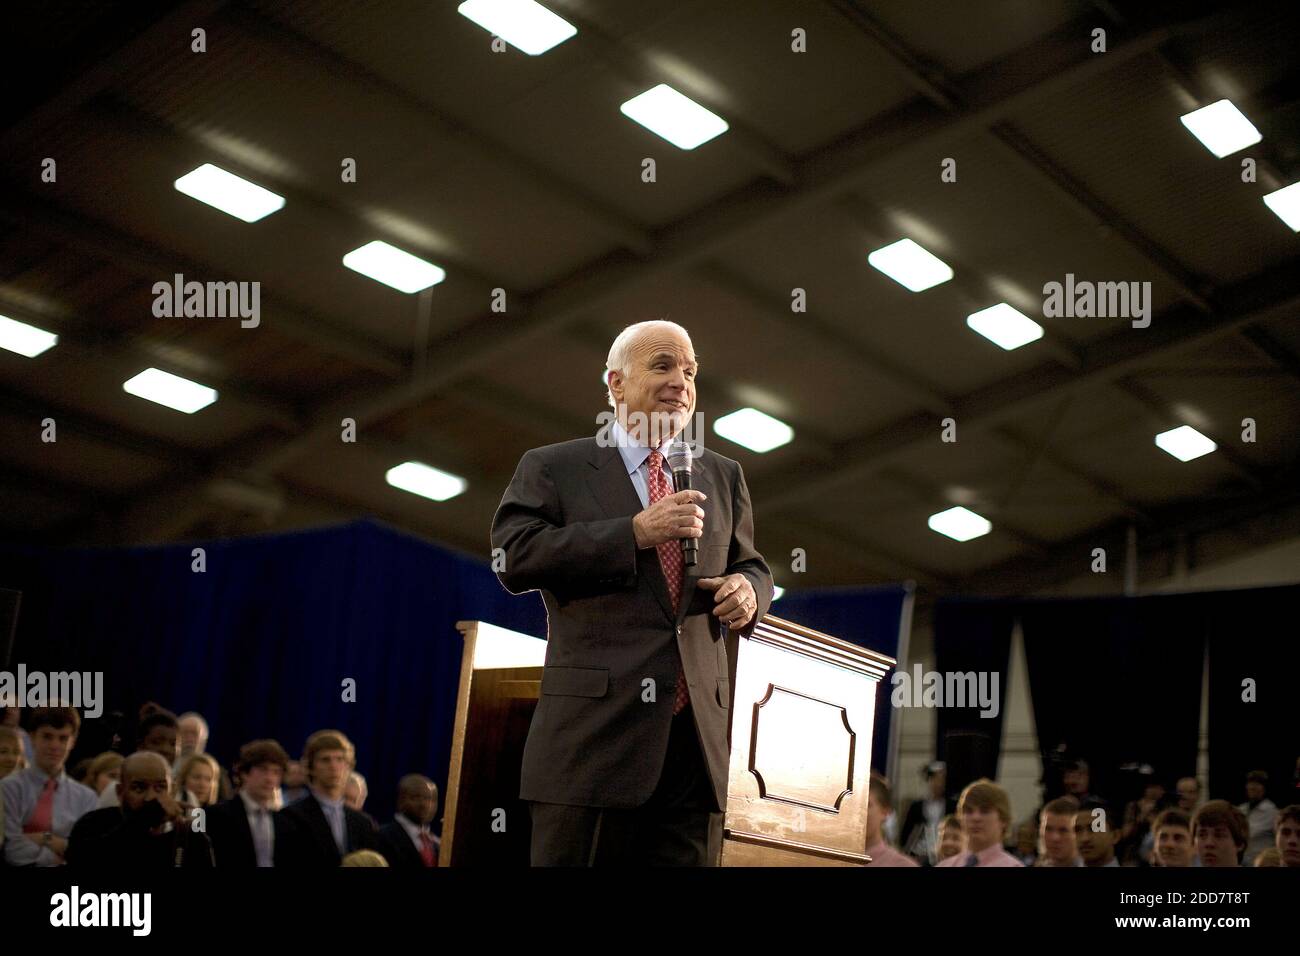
(735, 599)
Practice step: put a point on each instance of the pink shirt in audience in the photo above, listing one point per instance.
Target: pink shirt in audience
(990, 856)
(882, 854)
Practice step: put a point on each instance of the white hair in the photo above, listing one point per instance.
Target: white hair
(203, 726)
(620, 353)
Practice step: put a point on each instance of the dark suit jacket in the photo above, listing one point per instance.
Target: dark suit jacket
(565, 525)
(231, 836)
(398, 849)
(303, 838)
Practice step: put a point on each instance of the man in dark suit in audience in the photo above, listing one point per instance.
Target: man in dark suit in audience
(320, 829)
(244, 828)
(408, 842)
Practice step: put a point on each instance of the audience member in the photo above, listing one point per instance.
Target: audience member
(196, 781)
(1260, 814)
(244, 829)
(985, 814)
(320, 829)
(1056, 842)
(363, 858)
(1189, 795)
(1286, 830)
(407, 841)
(1096, 834)
(1173, 839)
(41, 802)
(920, 830)
(879, 804)
(294, 787)
(150, 829)
(951, 840)
(104, 770)
(1219, 830)
(157, 733)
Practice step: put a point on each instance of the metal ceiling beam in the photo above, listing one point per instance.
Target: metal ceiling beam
(1045, 68)
(1267, 297)
(154, 264)
(307, 51)
(1070, 560)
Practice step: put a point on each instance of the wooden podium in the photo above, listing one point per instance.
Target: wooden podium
(485, 823)
(802, 714)
(801, 723)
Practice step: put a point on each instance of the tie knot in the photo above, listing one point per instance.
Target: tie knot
(655, 458)
(51, 783)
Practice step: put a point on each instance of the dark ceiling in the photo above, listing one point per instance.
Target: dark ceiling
(520, 173)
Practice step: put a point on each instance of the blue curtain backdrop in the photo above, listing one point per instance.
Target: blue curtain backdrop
(868, 617)
(261, 642)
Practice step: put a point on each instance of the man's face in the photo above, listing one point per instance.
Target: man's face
(262, 781)
(1076, 781)
(190, 732)
(1254, 791)
(295, 776)
(938, 782)
(1288, 842)
(949, 841)
(161, 739)
(1189, 791)
(330, 770)
(660, 380)
(147, 781)
(1173, 846)
(1215, 847)
(983, 828)
(1095, 847)
(51, 747)
(420, 803)
(1057, 831)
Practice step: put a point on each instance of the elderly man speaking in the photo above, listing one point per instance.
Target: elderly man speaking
(626, 759)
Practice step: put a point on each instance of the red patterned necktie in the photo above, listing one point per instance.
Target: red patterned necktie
(426, 850)
(42, 817)
(670, 559)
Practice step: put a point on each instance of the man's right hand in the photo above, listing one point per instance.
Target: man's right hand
(671, 517)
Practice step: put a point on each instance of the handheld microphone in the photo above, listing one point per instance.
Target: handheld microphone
(679, 460)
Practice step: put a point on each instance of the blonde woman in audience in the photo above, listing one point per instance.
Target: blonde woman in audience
(196, 784)
(363, 858)
(103, 770)
(985, 813)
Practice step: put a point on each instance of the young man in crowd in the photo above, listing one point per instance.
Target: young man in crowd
(1260, 813)
(1096, 833)
(1056, 833)
(879, 804)
(1219, 830)
(243, 829)
(42, 803)
(1286, 834)
(320, 829)
(985, 814)
(1173, 836)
